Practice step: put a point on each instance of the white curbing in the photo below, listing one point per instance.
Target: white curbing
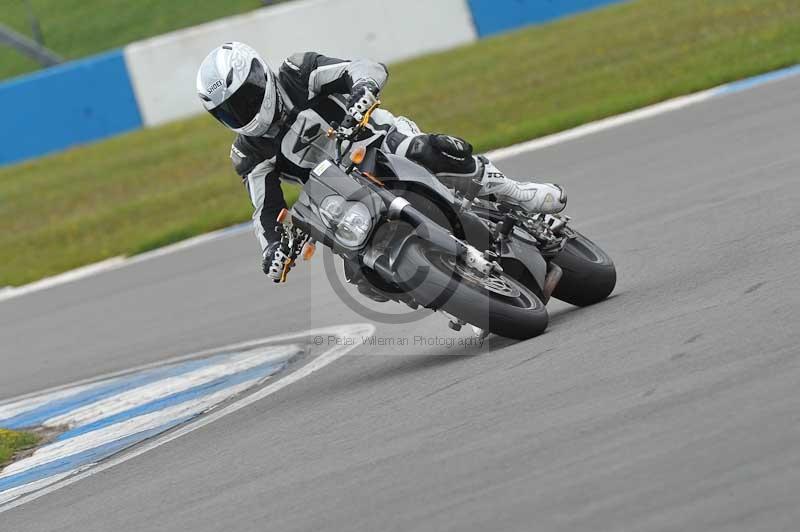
(11, 407)
(343, 339)
(165, 387)
(117, 431)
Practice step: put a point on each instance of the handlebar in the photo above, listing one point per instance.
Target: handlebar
(349, 129)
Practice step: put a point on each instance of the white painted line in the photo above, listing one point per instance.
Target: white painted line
(351, 337)
(191, 242)
(62, 278)
(115, 263)
(601, 125)
(10, 495)
(644, 113)
(499, 154)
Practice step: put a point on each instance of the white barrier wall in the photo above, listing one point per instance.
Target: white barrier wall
(163, 69)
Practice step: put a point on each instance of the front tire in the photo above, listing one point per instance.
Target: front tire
(589, 275)
(498, 303)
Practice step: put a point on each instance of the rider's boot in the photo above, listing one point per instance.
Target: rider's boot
(545, 198)
(453, 162)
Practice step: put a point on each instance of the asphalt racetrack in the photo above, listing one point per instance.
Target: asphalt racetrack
(671, 406)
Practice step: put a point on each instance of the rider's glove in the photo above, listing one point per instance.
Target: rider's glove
(363, 95)
(361, 87)
(274, 261)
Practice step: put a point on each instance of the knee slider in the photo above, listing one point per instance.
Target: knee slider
(452, 147)
(442, 154)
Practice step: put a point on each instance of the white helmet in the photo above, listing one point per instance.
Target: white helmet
(238, 88)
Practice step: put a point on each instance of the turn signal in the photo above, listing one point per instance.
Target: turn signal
(283, 215)
(358, 154)
(308, 250)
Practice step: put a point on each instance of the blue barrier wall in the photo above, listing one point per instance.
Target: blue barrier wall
(495, 16)
(66, 105)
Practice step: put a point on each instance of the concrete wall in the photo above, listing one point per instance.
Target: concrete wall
(163, 69)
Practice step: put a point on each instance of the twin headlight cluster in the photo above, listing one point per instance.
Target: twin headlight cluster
(351, 220)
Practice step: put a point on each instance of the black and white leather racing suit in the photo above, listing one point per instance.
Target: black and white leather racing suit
(313, 92)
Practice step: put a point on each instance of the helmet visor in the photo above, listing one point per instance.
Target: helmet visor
(242, 106)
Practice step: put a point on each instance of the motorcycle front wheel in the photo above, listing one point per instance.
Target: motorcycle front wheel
(496, 302)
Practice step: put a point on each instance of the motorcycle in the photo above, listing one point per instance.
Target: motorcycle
(407, 237)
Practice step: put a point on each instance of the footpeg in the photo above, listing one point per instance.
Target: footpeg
(480, 334)
(454, 323)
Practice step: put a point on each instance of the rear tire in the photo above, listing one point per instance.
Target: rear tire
(589, 273)
(436, 281)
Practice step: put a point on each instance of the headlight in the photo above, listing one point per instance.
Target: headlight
(353, 228)
(332, 210)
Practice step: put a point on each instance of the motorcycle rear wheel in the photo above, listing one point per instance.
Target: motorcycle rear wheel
(589, 275)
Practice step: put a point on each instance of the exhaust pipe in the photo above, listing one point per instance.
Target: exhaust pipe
(554, 273)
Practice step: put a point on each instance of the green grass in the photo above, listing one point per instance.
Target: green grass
(77, 28)
(155, 186)
(11, 442)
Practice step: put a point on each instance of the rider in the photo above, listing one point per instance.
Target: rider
(279, 117)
